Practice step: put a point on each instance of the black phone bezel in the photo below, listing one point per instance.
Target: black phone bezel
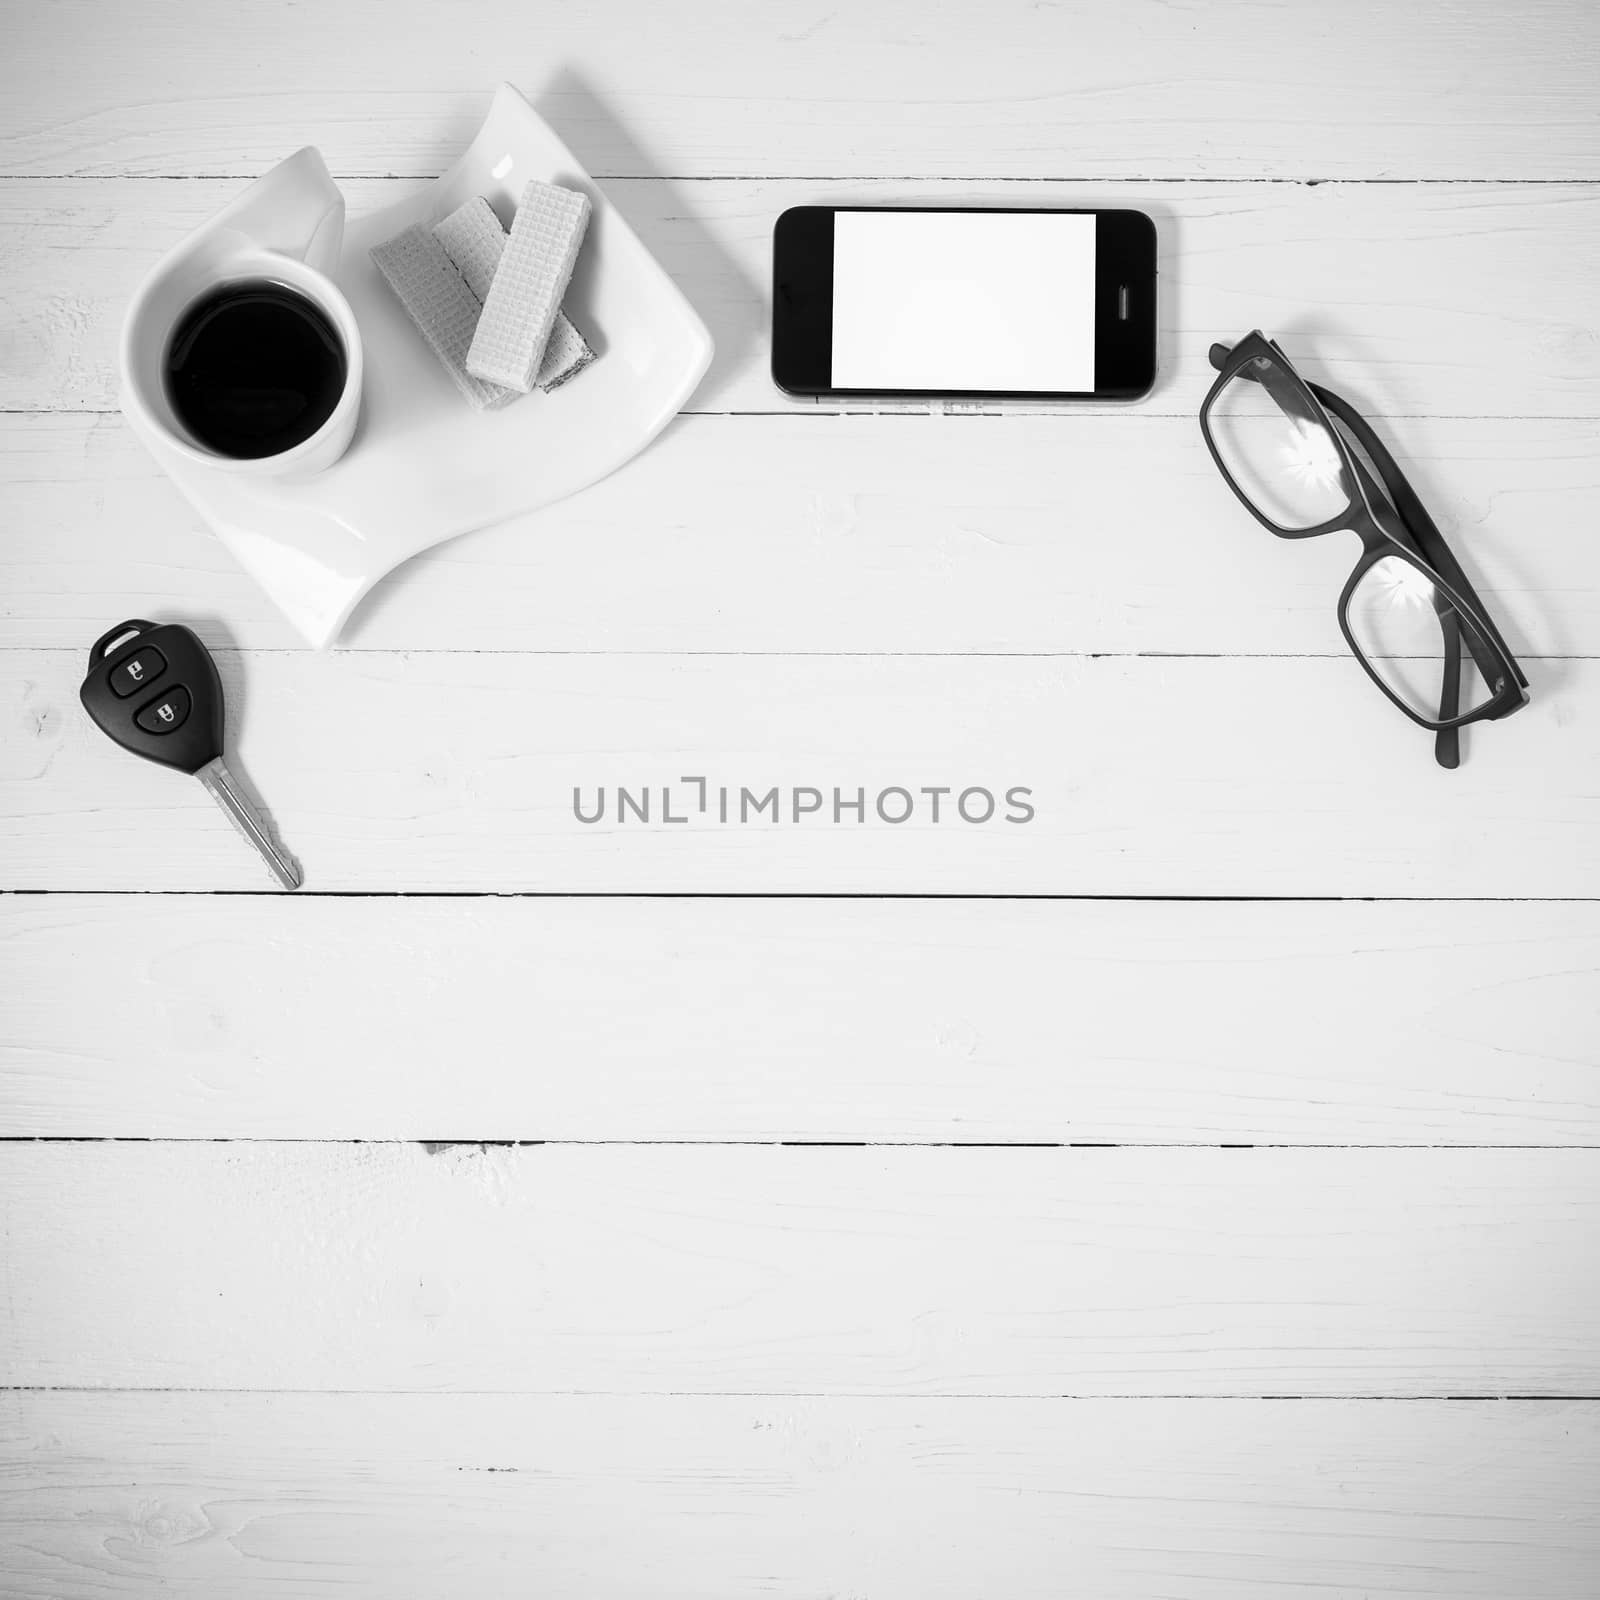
(802, 305)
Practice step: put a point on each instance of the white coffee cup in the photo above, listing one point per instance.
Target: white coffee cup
(286, 228)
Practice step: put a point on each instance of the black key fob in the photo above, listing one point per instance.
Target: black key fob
(154, 689)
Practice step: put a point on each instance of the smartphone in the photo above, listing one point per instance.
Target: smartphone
(928, 301)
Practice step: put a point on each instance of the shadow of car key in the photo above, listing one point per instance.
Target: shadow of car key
(155, 690)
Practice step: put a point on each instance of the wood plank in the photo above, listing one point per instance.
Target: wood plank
(968, 1021)
(444, 771)
(1474, 90)
(860, 534)
(1397, 294)
(426, 1495)
(717, 1269)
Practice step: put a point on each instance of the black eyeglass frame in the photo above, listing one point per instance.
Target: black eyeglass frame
(1395, 525)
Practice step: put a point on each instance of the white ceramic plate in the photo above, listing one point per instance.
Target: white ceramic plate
(424, 466)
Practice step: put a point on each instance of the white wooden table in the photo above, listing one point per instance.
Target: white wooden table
(1193, 1193)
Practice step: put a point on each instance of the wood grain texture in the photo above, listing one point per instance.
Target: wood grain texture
(1463, 1023)
(859, 534)
(715, 86)
(1418, 301)
(715, 1269)
(433, 1498)
(393, 772)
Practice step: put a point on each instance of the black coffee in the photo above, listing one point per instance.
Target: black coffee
(253, 369)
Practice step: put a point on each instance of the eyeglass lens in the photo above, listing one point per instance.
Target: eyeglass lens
(1415, 640)
(1277, 449)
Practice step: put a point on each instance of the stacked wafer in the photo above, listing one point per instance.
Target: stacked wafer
(474, 240)
(489, 306)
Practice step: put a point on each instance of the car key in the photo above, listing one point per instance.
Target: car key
(155, 690)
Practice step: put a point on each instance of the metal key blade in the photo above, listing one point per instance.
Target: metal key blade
(224, 789)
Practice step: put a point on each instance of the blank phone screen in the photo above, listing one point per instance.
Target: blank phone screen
(967, 300)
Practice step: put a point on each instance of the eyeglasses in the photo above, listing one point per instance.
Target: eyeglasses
(1305, 462)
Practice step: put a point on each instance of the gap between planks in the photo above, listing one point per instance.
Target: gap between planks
(435, 1146)
(1093, 1396)
(909, 411)
(344, 651)
(247, 174)
(303, 895)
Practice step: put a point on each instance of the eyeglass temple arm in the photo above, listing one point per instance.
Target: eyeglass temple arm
(1447, 741)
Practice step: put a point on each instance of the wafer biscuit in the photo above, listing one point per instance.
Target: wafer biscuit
(566, 355)
(473, 238)
(525, 297)
(445, 310)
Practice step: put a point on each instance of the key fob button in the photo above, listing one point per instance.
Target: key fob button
(185, 686)
(139, 671)
(167, 714)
